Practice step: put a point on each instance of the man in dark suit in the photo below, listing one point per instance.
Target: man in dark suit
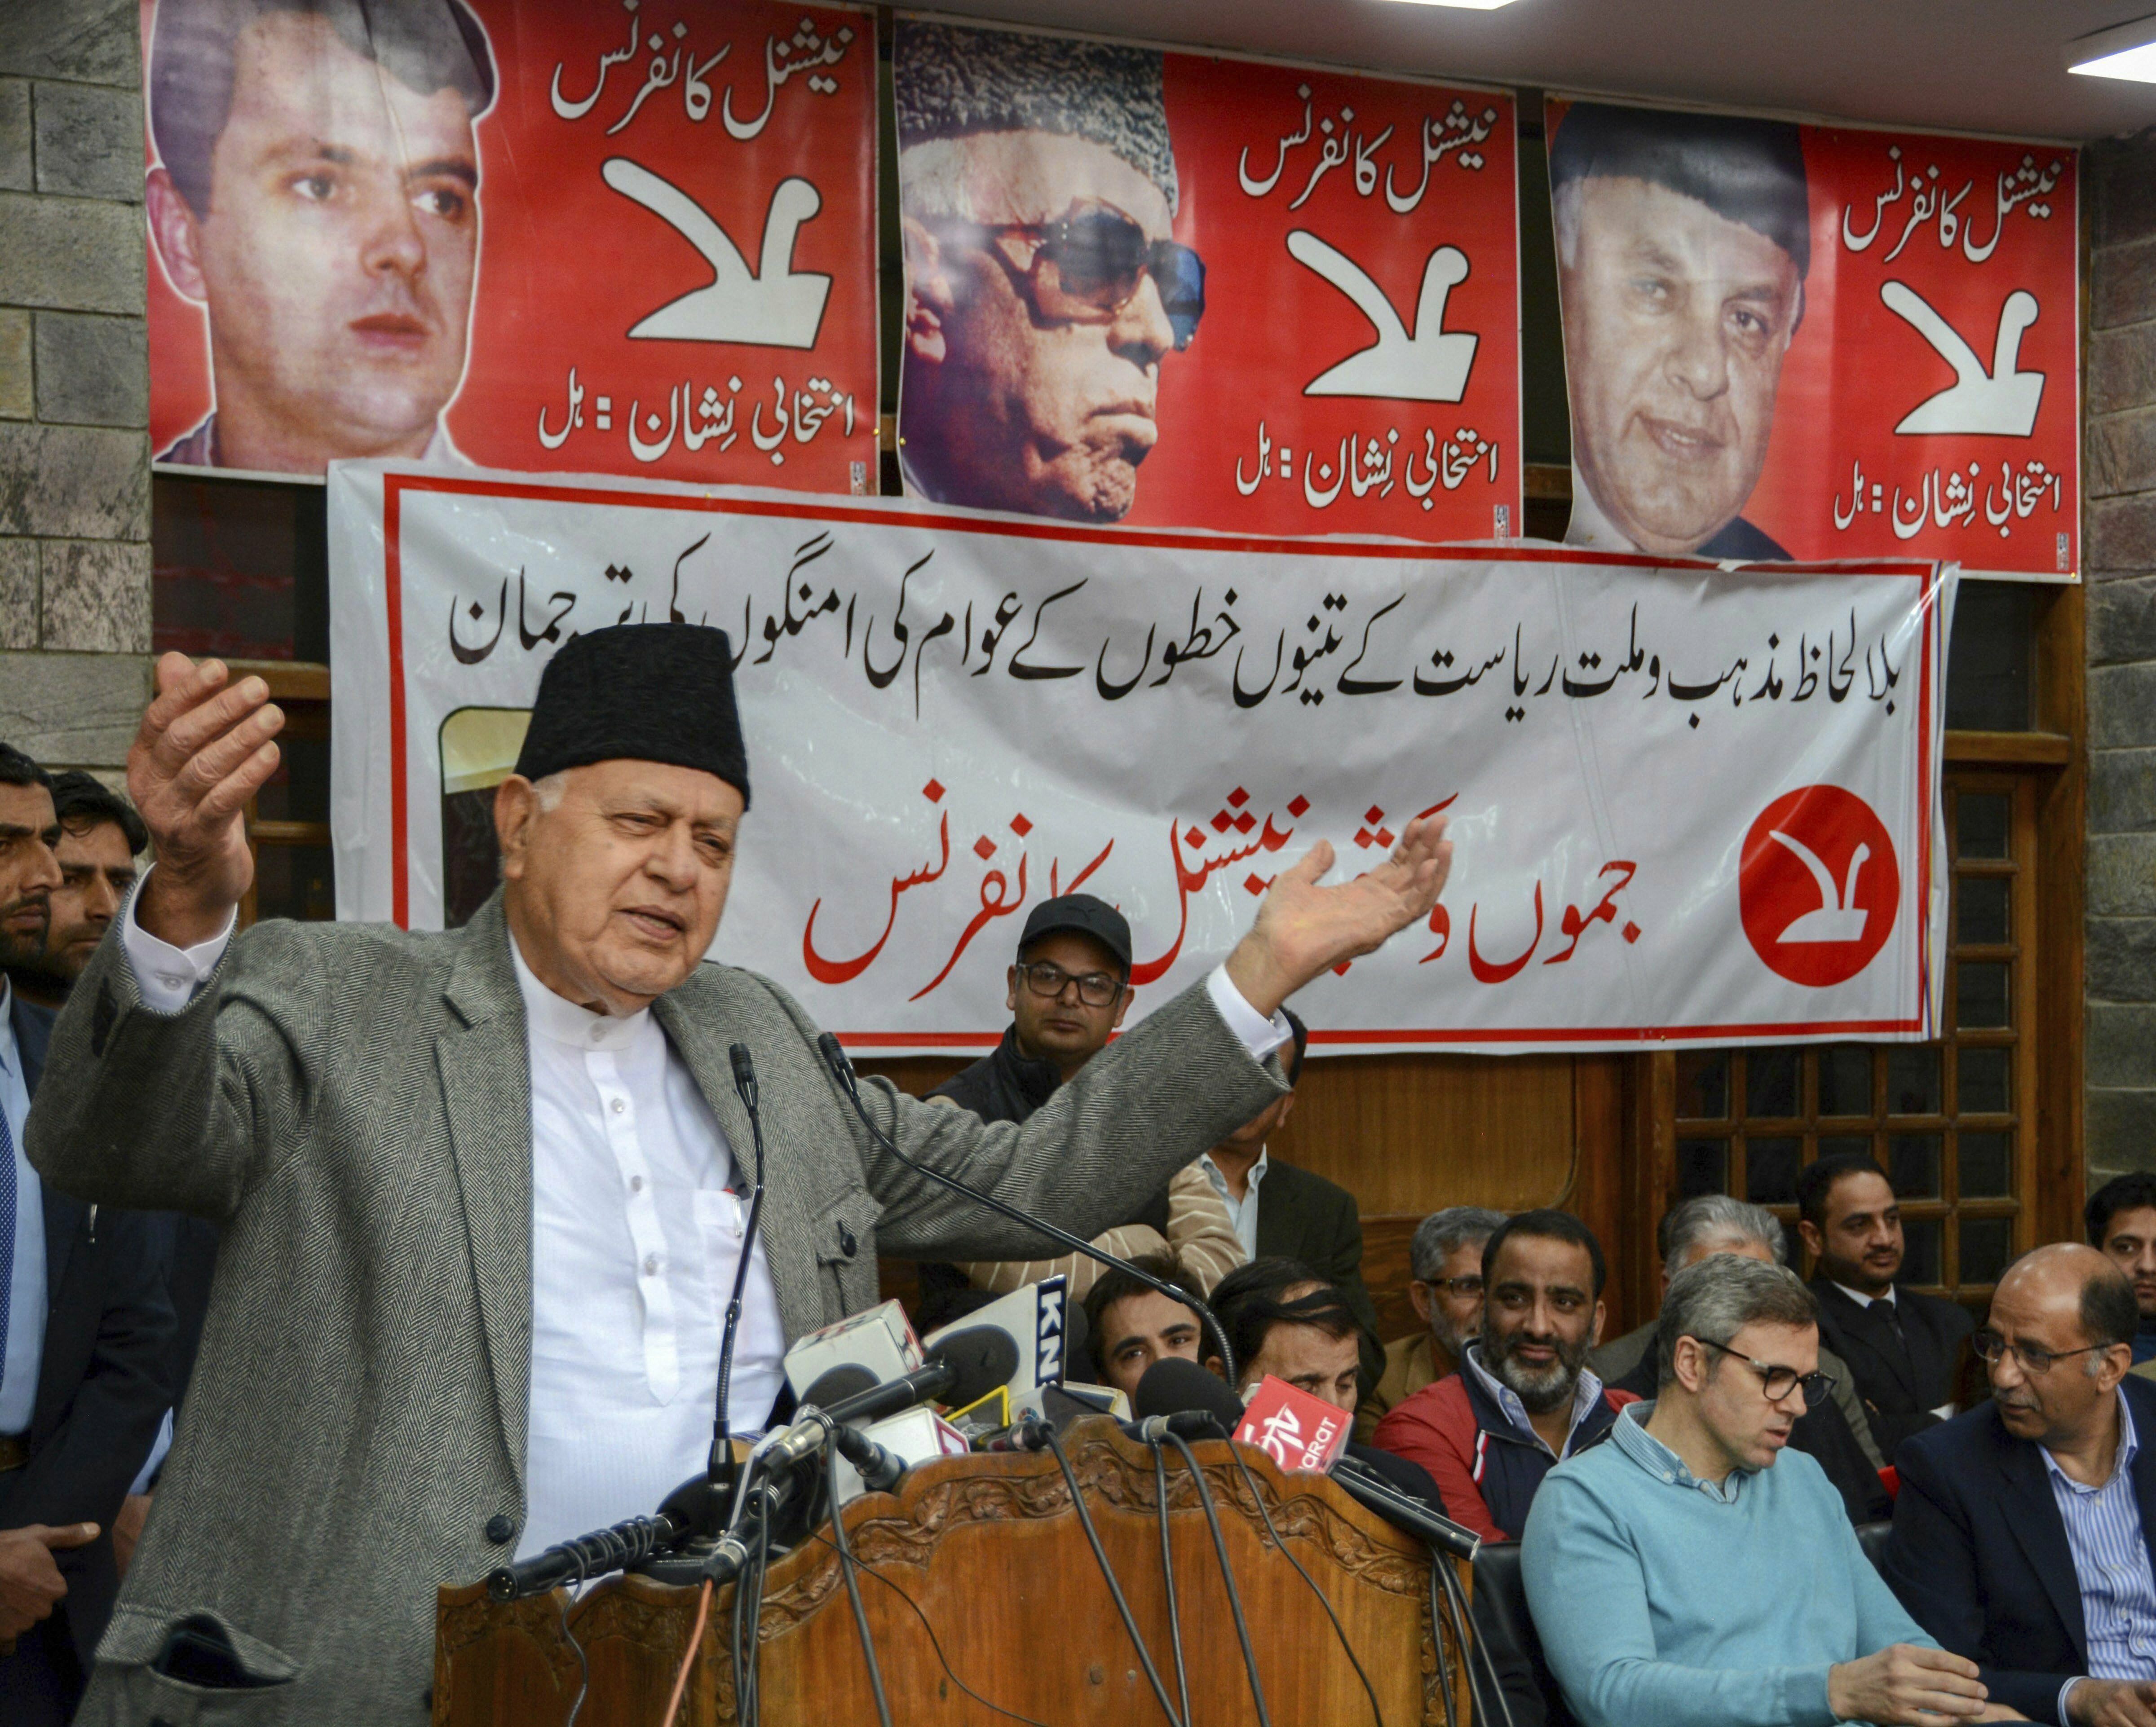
(1903, 1347)
(85, 1327)
(2021, 1534)
(1283, 1213)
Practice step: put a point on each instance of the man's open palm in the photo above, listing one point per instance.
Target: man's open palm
(203, 750)
(1303, 928)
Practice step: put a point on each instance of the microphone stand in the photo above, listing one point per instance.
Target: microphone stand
(719, 1467)
(847, 1082)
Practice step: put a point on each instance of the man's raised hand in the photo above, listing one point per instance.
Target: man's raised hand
(203, 750)
(1302, 929)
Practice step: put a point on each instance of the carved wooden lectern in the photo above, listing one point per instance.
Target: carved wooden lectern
(986, 1552)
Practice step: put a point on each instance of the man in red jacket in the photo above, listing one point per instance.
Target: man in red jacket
(1524, 1398)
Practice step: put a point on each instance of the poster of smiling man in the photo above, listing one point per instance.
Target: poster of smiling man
(1169, 288)
(619, 235)
(1788, 341)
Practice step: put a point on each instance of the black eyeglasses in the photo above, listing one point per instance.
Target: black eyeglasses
(1087, 267)
(2036, 1360)
(1454, 1285)
(1096, 989)
(1779, 1381)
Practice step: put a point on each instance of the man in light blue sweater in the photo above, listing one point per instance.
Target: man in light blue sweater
(1681, 1576)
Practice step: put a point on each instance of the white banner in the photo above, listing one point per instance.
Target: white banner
(1691, 805)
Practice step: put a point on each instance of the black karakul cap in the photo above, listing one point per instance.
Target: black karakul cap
(1750, 171)
(639, 691)
(1083, 914)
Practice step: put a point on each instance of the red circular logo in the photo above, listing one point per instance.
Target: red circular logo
(1817, 885)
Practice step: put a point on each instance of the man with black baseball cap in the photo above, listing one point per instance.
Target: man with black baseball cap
(1068, 993)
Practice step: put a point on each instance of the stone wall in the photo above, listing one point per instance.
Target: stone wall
(74, 382)
(2120, 566)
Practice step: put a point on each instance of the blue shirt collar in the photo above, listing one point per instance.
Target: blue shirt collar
(1629, 1435)
(2129, 1444)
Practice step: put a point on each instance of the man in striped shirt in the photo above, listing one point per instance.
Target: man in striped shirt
(2021, 1535)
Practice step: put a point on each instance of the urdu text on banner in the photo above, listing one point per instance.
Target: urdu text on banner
(1191, 290)
(631, 236)
(1814, 342)
(1690, 804)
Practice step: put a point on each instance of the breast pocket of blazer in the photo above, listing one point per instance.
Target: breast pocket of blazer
(844, 1234)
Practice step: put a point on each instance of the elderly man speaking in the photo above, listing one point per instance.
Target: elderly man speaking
(474, 1185)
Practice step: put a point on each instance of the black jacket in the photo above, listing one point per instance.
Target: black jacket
(1306, 1218)
(1899, 1391)
(1822, 1433)
(105, 1382)
(1978, 1554)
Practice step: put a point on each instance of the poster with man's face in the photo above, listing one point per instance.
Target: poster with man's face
(1788, 342)
(625, 236)
(1168, 289)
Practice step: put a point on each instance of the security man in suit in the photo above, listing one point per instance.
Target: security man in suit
(478, 1191)
(1903, 1346)
(2022, 1530)
(84, 1330)
(1283, 1213)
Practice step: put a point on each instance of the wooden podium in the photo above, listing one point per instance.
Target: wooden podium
(988, 1553)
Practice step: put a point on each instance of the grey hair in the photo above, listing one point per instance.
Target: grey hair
(549, 792)
(1442, 1234)
(1713, 1216)
(1719, 1297)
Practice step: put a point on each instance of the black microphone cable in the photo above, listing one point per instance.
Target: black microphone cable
(849, 1085)
(1437, 1624)
(1167, 1576)
(1227, 1575)
(935, 1642)
(1339, 1630)
(1469, 1647)
(1114, 1588)
(845, 1545)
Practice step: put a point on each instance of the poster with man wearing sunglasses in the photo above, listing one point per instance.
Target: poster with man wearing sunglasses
(1289, 296)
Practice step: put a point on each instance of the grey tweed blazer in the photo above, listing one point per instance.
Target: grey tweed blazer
(352, 1105)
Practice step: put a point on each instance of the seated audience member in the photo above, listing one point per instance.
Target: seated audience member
(1129, 1327)
(1282, 1213)
(1836, 1434)
(1068, 992)
(1903, 1347)
(1524, 1397)
(2122, 1221)
(1445, 1265)
(86, 1327)
(2022, 1531)
(1690, 1574)
(1284, 1322)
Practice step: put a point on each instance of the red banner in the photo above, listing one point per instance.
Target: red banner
(611, 237)
(1176, 290)
(1810, 342)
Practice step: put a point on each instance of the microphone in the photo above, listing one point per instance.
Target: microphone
(843, 1075)
(967, 1365)
(1175, 1390)
(719, 1467)
(602, 1551)
(1373, 1493)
